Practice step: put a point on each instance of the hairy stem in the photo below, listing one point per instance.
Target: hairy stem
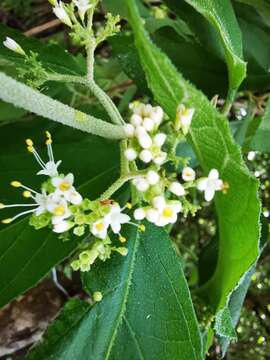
(25, 97)
(119, 183)
(103, 98)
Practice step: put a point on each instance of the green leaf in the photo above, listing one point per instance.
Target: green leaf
(222, 17)
(27, 255)
(260, 141)
(53, 57)
(238, 211)
(146, 311)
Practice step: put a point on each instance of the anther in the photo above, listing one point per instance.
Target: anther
(29, 142)
(27, 194)
(16, 184)
(7, 221)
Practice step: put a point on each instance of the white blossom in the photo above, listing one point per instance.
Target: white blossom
(116, 218)
(146, 156)
(50, 169)
(148, 124)
(210, 184)
(99, 228)
(64, 187)
(167, 211)
(159, 139)
(139, 214)
(188, 174)
(152, 177)
(13, 46)
(62, 227)
(143, 137)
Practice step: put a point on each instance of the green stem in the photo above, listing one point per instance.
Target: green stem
(119, 183)
(103, 98)
(123, 159)
(229, 101)
(29, 99)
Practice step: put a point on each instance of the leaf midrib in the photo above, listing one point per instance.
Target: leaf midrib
(120, 316)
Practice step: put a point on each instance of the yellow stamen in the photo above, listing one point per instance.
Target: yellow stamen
(30, 149)
(129, 205)
(167, 212)
(27, 194)
(59, 210)
(64, 186)
(142, 228)
(225, 188)
(48, 142)
(99, 226)
(122, 239)
(7, 221)
(29, 142)
(2, 206)
(48, 134)
(16, 184)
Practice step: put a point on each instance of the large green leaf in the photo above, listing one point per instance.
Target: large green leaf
(26, 254)
(261, 141)
(238, 211)
(146, 311)
(221, 15)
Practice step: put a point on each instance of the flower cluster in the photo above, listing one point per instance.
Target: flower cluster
(61, 207)
(145, 141)
(161, 193)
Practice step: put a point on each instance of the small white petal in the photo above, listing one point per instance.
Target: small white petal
(142, 185)
(161, 158)
(177, 188)
(152, 215)
(209, 194)
(62, 227)
(13, 46)
(159, 202)
(152, 177)
(148, 124)
(213, 175)
(139, 214)
(202, 184)
(144, 140)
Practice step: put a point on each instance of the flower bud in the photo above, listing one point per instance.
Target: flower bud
(146, 156)
(160, 139)
(183, 118)
(142, 185)
(152, 177)
(144, 139)
(161, 158)
(60, 12)
(130, 154)
(177, 188)
(97, 296)
(13, 46)
(136, 120)
(148, 124)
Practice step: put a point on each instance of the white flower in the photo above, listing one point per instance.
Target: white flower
(177, 188)
(188, 174)
(99, 228)
(61, 13)
(152, 215)
(62, 227)
(116, 218)
(167, 211)
(183, 118)
(83, 6)
(146, 156)
(130, 154)
(50, 169)
(75, 198)
(251, 155)
(152, 177)
(160, 158)
(129, 130)
(139, 214)
(13, 46)
(210, 185)
(64, 186)
(143, 137)
(58, 206)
